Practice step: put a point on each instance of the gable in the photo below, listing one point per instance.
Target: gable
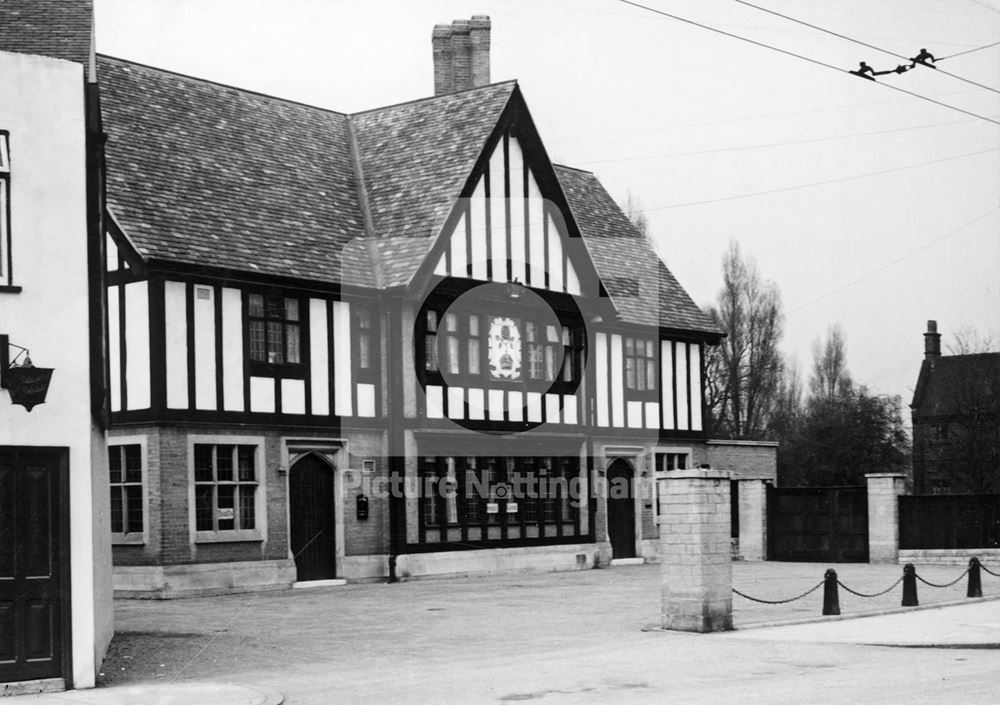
(507, 231)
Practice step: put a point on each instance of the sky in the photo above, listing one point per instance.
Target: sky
(869, 207)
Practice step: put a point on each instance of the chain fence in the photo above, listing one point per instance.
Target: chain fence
(831, 601)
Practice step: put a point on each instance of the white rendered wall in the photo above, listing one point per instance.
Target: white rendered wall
(42, 106)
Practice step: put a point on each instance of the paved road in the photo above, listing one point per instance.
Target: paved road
(563, 638)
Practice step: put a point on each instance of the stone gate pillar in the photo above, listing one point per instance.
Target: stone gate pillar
(695, 562)
(884, 489)
(753, 519)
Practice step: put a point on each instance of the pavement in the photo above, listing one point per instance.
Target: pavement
(556, 638)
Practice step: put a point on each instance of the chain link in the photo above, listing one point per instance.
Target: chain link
(781, 602)
(928, 582)
(874, 594)
(997, 575)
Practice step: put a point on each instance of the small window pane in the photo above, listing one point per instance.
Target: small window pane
(203, 509)
(630, 372)
(473, 325)
(133, 463)
(227, 507)
(275, 344)
(247, 472)
(649, 348)
(552, 334)
(453, 355)
(255, 305)
(117, 510)
(450, 322)
(115, 463)
(650, 375)
(203, 463)
(224, 463)
(294, 349)
(640, 375)
(430, 353)
(291, 309)
(432, 321)
(550, 363)
(134, 495)
(258, 345)
(247, 507)
(629, 346)
(364, 350)
(529, 331)
(473, 356)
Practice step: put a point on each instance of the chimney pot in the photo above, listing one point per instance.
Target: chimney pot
(932, 342)
(461, 54)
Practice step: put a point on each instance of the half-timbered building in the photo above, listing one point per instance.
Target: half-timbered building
(393, 343)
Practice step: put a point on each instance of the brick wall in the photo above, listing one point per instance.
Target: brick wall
(744, 460)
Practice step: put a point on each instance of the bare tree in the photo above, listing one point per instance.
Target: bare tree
(830, 378)
(969, 341)
(748, 371)
(633, 209)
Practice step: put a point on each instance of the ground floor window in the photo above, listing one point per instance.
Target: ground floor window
(500, 498)
(225, 490)
(126, 474)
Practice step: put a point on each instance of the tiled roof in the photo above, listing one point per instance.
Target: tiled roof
(640, 285)
(205, 174)
(416, 157)
(200, 173)
(955, 384)
(57, 28)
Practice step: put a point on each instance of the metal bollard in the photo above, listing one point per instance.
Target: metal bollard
(909, 586)
(975, 579)
(831, 598)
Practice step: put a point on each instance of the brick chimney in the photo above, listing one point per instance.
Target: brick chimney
(932, 342)
(461, 55)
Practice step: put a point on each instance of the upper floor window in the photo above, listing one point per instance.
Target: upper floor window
(485, 348)
(275, 329)
(640, 364)
(125, 464)
(364, 316)
(5, 256)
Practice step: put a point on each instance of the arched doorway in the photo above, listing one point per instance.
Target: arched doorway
(621, 509)
(311, 512)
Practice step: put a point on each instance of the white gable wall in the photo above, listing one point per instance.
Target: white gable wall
(42, 107)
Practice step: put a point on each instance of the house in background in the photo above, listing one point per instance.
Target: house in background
(55, 552)
(956, 421)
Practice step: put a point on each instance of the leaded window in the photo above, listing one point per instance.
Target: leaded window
(275, 329)
(125, 465)
(225, 481)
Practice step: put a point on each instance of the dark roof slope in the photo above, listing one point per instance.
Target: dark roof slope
(956, 385)
(641, 287)
(57, 28)
(201, 173)
(417, 156)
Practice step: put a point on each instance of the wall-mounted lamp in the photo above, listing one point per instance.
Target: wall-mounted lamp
(26, 383)
(514, 289)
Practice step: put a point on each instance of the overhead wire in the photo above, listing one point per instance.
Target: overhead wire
(896, 261)
(969, 51)
(803, 58)
(864, 44)
(740, 148)
(820, 183)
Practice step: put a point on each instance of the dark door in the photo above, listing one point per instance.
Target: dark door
(33, 584)
(310, 505)
(621, 509)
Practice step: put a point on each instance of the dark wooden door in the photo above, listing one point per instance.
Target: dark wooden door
(33, 584)
(312, 517)
(621, 509)
(817, 524)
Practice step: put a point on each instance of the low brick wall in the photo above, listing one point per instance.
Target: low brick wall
(990, 557)
(744, 460)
